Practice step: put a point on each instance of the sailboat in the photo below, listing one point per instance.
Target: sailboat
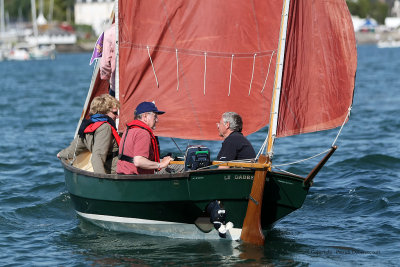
(287, 64)
(32, 50)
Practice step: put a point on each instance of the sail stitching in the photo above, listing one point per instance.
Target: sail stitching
(152, 65)
(183, 78)
(199, 52)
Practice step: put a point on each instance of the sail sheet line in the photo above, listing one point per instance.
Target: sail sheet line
(262, 148)
(284, 171)
(198, 52)
(152, 65)
(177, 70)
(269, 67)
(301, 160)
(205, 72)
(323, 152)
(252, 72)
(341, 127)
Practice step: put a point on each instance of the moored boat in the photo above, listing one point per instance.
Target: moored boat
(388, 44)
(287, 64)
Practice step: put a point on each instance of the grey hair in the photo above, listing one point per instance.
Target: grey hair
(139, 116)
(234, 119)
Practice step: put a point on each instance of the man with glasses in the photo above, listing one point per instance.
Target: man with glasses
(139, 152)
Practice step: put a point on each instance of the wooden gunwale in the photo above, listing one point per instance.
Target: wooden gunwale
(175, 176)
(234, 164)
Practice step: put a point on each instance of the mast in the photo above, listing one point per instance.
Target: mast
(273, 121)
(41, 20)
(51, 7)
(34, 24)
(116, 19)
(2, 23)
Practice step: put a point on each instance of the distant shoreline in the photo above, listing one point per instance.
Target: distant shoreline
(375, 37)
(76, 48)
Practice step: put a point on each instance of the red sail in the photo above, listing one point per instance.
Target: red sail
(198, 59)
(196, 88)
(99, 87)
(319, 69)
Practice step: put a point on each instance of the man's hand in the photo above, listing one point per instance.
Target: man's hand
(165, 161)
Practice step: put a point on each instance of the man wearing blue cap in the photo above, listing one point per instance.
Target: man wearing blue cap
(138, 150)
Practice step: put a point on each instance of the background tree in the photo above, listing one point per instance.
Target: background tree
(13, 7)
(379, 11)
(369, 8)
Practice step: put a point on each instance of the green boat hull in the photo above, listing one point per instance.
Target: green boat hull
(143, 203)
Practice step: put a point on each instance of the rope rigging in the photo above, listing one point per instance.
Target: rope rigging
(206, 54)
(311, 157)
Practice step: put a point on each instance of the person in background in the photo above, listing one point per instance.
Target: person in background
(107, 61)
(139, 151)
(235, 145)
(98, 135)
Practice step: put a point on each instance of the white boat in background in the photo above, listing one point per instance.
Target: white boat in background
(17, 54)
(388, 44)
(43, 52)
(24, 51)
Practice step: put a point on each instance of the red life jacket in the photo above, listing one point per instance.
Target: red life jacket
(93, 127)
(154, 143)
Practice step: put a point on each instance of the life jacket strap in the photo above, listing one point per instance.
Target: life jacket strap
(125, 158)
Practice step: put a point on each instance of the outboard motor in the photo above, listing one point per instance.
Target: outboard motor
(217, 218)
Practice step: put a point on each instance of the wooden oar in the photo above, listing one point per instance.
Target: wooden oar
(252, 230)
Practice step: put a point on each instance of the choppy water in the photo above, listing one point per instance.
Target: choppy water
(351, 216)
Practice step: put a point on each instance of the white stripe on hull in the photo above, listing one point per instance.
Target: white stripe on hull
(157, 228)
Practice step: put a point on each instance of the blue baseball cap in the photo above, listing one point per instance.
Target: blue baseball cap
(147, 107)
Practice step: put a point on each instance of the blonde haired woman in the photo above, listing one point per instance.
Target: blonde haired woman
(98, 135)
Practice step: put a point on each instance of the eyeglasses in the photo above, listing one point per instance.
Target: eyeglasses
(152, 113)
(115, 113)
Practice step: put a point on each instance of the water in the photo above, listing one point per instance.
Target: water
(351, 216)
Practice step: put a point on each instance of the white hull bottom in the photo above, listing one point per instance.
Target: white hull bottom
(157, 228)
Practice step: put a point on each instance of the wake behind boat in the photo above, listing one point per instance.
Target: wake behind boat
(287, 64)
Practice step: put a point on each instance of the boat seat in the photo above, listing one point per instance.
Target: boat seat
(83, 161)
